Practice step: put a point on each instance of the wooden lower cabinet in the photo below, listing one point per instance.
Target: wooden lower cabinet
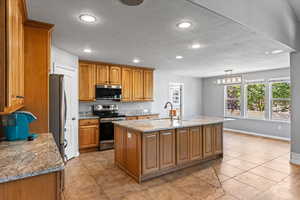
(218, 139)
(196, 143)
(182, 145)
(167, 149)
(133, 152)
(46, 187)
(150, 154)
(88, 134)
(150, 149)
(212, 140)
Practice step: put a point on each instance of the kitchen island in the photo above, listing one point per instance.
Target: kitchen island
(149, 148)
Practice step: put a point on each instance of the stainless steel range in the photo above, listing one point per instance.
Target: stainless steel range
(107, 114)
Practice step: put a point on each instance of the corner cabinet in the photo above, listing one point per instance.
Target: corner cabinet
(12, 18)
(87, 82)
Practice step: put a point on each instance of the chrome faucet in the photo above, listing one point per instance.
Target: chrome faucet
(170, 113)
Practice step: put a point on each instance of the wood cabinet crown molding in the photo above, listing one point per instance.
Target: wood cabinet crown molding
(37, 24)
(115, 64)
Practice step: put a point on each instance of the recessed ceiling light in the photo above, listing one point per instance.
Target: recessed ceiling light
(87, 51)
(196, 46)
(277, 51)
(87, 18)
(136, 60)
(184, 25)
(179, 57)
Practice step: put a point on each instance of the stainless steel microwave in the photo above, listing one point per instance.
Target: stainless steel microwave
(109, 92)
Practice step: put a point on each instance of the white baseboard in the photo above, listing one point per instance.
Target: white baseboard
(295, 158)
(258, 134)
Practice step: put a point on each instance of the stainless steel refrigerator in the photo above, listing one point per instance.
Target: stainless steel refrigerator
(58, 111)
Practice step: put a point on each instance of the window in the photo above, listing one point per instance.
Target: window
(256, 104)
(233, 100)
(281, 101)
(175, 96)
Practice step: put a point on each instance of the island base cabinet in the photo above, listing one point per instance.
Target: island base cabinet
(46, 187)
(196, 143)
(150, 149)
(167, 149)
(212, 140)
(182, 145)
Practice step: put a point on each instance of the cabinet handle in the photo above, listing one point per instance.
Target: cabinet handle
(20, 97)
(168, 133)
(150, 136)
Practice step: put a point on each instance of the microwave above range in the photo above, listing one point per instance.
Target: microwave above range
(109, 92)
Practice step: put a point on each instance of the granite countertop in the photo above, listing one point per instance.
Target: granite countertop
(166, 124)
(22, 159)
(133, 114)
(89, 116)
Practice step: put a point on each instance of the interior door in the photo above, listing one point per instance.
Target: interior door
(71, 91)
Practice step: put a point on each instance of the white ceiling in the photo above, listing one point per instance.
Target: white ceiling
(149, 32)
(296, 6)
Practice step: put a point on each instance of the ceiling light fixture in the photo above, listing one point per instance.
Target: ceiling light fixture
(87, 18)
(136, 60)
(132, 2)
(196, 46)
(229, 78)
(179, 57)
(277, 51)
(87, 51)
(184, 25)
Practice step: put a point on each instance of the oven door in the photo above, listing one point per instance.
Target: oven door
(106, 135)
(108, 92)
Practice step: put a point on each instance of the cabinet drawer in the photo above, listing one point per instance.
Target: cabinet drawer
(87, 122)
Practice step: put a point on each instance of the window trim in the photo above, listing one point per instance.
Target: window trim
(271, 99)
(244, 99)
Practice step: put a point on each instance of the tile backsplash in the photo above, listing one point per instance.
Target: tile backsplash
(123, 106)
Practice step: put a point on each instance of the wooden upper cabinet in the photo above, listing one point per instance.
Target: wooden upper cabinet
(127, 84)
(87, 82)
(115, 75)
(167, 149)
(102, 76)
(148, 85)
(138, 85)
(196, 143)
(12, 56)
(150, 145)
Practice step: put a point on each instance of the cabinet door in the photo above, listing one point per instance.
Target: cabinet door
(167, 149)
(218, 139)
(182, 145)
(127, 84)
(120, 145)
(138, 85)
(133, 151)
(88, 136)
(115, 75)
(12, 57)
(196, 146)
(208, 141)
(148, 85)
(102, 74)
(150, 145)
(87, 82)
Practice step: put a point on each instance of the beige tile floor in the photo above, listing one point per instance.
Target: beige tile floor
(252, 168)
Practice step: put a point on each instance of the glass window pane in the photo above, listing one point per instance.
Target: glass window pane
(281, 90)
(234, 91)
(256, 101)
(233, 108)
(281, 110)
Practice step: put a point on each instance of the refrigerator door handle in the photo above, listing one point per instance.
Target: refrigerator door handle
(66, 108)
